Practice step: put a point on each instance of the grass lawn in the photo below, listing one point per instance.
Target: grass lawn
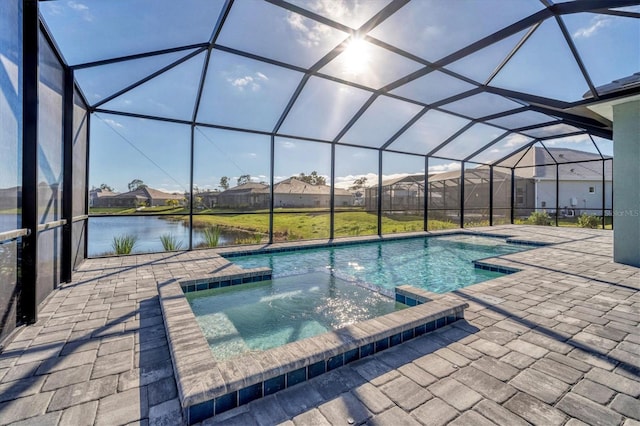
(314, 224)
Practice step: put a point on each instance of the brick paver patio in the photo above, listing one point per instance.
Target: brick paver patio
(558, 343)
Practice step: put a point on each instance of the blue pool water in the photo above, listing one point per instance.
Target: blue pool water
(259, 316)
(437, 264)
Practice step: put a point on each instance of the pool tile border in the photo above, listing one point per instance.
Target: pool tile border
(231, 252)
(208, 387)
(248, 276)
(487, 266)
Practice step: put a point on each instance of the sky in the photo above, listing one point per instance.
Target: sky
(245, 93)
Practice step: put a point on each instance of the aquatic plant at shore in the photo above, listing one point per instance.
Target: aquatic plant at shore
(124, 244)
(170, 242)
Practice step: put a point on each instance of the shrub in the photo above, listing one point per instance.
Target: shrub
(170, 242)
(539, 218)
(124, 244)
(212, 236)
(588, 221)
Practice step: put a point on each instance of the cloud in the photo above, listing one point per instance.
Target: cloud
(309, 33)
(77, 6)
(287, 145)
(170, 188)
(345, 182)
(53, 8)
(82, 9)
(113, 123)
(442, 168)
(248, 81)
(577, 139)
(596, 23)
(516, 139)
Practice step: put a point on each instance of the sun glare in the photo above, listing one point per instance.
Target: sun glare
(356, 56)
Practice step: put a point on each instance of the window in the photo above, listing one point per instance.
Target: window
(543, 204)
(592, 190)
(519, 196)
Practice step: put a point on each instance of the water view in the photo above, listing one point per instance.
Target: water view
(148, 230)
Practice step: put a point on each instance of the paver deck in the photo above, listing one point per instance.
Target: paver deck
(557, 343)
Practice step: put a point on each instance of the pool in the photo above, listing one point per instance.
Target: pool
(437, 264)
(268, 314)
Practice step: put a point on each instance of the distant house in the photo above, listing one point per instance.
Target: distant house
(96, 194)
(293, 192)
(141, 197)
(581, 183)
(402, 193)
(209, 198)
(250, 195)
(580, 186)
(289, 193)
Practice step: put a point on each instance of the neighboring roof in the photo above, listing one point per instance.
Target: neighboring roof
(244, 188)
(100, 193)
(146, 193)
(625, 83)
(296, 186)
(403, 179)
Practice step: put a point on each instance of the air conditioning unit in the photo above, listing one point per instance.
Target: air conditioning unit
(574, 201)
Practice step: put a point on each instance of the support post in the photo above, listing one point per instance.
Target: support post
(462, 194)
(30, 76)
(86, 185)
(557, 191)
(380, 193)
(513, 194)
(490, 195)
(67, 178)
(332, 209)
(191, 165)
(271, 193)
(426, 193)
(604, 195)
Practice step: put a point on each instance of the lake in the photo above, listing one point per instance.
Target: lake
(148, 230)
(9, 222)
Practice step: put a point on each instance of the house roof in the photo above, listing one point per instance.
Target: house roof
(296, 186)
(146, 193)
(100, 193)
(244, 188)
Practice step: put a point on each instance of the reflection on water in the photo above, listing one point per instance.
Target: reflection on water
(148, 230)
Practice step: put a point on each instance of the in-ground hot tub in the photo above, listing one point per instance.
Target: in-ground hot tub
(267, 314)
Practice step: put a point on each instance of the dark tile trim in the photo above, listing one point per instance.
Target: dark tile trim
(199, 412)
(494, 268)
(225, 281)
